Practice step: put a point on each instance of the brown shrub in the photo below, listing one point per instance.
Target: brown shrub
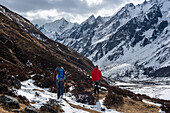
(137, 97)
(81, 86)
(166, 108)
(21, 76)
(44, 82)
(120, 91)
(52, 106)
(104, 84)
(18, 72)
(145, 96)
(43, 79)
(113, 100)
(3, 88)
(3, 73)
(23, 100)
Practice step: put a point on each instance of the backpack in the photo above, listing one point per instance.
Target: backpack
(60, 73)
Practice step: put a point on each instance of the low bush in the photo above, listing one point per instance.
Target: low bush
(52, 106)
(137, 97)
(45, 82)
(120, 91)
(166, 108)
(81, 86)
(3, 88)
(23, 100)
(114, 100)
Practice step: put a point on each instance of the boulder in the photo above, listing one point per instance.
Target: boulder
(85, 97)
(9, 101)
(52, 106)
(30, 109)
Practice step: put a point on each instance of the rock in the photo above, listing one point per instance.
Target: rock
(30, 109)
(23, 100)
(86, 98)
(52, 106)
(48, 108)
(10, 101)
(14, 82)
(102, 109)
(37, 94)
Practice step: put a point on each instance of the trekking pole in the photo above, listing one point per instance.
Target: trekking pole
(65, 90)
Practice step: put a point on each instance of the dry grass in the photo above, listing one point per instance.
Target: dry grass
(38, 90)
(132, 106)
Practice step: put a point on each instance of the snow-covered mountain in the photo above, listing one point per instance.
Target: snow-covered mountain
(135, 38)
(56, 28)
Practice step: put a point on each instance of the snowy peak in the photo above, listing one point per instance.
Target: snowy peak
(91, 19)
(130, 5)
(56, 28)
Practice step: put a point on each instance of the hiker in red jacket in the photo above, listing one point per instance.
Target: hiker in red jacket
(96, 78)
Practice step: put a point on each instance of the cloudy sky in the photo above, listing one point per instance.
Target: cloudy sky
(43, 11)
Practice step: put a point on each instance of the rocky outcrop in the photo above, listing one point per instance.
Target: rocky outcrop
(9, 101)
(30, 109)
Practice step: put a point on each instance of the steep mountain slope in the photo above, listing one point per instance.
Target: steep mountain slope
(24, 48)
(56, 28)
(137, 36)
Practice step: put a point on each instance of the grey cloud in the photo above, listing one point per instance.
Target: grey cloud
(69, 6)
(73, 7)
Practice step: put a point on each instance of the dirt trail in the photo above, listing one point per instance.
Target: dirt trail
(82, 108)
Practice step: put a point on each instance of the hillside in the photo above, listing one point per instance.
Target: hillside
(25, 51)
(22, 44)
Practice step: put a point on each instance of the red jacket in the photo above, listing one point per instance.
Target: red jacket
(96, 74)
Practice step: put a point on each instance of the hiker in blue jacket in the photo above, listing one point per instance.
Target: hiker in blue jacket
(59, 78)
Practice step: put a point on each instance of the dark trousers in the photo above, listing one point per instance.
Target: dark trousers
(60, 88)
(96, 87)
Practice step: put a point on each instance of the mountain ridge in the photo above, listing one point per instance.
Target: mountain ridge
(128, 34)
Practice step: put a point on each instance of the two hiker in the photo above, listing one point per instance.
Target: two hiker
(59, 77)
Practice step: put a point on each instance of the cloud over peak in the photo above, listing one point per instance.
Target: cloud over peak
(43, 11)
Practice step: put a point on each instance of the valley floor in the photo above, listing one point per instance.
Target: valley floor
(159, 90)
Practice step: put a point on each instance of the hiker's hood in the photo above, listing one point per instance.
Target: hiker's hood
(96, 68)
